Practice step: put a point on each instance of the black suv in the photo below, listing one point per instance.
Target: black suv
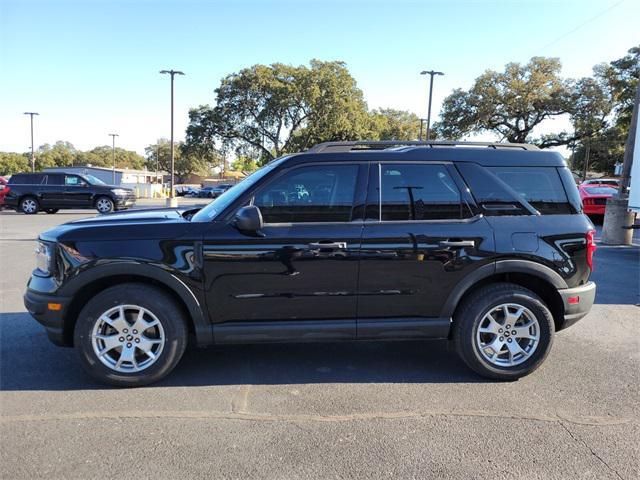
(52, 191)
(482, 244)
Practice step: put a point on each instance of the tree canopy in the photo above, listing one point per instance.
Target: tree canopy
(268, 110)
(186, 162)
(514, 102)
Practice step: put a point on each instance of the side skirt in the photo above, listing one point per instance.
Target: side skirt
(295, 331)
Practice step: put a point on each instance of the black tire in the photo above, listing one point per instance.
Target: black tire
(51, 211)
(165, 309)
(29, 205)
(471, 313)
(104, 204)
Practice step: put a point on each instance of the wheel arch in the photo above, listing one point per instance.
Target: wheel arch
(538, 278)
(87, 284)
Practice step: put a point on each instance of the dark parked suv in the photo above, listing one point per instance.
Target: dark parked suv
(52, 191)
(482, 244)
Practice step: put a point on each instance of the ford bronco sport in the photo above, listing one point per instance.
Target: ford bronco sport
(482, 244)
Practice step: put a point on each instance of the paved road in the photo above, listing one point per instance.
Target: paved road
(369, 410)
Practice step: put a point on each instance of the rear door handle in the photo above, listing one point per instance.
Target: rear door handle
(458, 243)
(328, 245)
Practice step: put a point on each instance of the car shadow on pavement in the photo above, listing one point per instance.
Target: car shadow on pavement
(28, 361)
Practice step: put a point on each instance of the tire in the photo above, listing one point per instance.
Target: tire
(477, 337)
(104, 204)
(29, 205)
(52, 210)
(166, 339)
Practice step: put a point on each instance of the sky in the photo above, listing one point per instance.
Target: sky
(90, 68)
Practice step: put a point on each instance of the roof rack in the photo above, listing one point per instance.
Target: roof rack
(336, 147)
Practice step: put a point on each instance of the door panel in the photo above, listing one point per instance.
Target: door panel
(420, 239)
(283, 275)
(77, 192)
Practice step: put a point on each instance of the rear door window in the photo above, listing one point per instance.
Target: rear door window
(55, 179)
(419, 192)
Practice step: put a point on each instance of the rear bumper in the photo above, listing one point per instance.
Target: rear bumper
(38, 305)
(577, 302)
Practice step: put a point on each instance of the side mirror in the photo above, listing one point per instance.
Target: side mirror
(249, 220)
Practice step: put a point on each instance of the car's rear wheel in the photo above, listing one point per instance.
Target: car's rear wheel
(29, 205)
(503, 331)
(104, 205)
(52, 210)
(130, 335)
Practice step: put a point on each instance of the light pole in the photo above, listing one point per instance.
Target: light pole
(172, 73)
(33, 161)
(113, 155)
(431, 73)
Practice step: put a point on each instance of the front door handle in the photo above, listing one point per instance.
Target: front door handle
(458, 243)
(328, 245)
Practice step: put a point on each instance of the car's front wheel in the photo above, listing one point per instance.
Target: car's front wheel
(503, 331)
(130, 335)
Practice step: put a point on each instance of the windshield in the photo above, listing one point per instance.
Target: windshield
(211, 211)
(93, 180)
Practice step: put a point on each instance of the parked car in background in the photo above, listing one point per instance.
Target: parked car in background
(214, 191)
(482, 244)
(3, 191)
(50, 192)
(594, 197)
(613, 182)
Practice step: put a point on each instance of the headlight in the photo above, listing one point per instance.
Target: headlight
(44, 257)
(120, 192)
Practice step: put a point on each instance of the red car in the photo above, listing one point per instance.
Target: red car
(594, 197)
(4, 189)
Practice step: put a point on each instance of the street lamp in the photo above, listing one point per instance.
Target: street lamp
(33, 161)
(172, 73)
(113, 155)
(431, 73)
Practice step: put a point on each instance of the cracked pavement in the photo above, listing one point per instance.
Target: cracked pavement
(339, 410)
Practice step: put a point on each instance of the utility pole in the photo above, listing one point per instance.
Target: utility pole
(587, 153)
(617, 217)
(421, 125)
(113, 155)
(33, 158)
(173, 73)
(431, 73)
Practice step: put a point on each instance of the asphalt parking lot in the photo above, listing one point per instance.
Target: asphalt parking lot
(368, 410)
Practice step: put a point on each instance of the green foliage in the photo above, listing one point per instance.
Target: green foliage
(103, 157)
(186, 161)
(390, 124)
(11, 163)
(513, 103)
(619, 79)
(244, 164)
(266, 111)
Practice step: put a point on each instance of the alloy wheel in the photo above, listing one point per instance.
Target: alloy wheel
(104, 205)
(29, 205)
(128, 338)
(508, 335)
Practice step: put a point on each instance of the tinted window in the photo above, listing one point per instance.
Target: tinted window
(420, 192)
(600, 190)
(27, 178)
(540, 186)
(73, 180)
(55, 179)
(322, 193)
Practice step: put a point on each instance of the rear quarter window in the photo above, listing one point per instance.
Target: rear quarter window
(540, 186)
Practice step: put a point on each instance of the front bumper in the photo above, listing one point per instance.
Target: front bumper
(125, 202)
(577, 302)
(40, 306)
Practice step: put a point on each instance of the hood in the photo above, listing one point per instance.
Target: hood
(133, 220)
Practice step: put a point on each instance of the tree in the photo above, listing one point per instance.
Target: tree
(390, 124)
(11, 163)
(513, 103)
(158, 157)
(619, 79)
(270, 110)
(103, 157)
(61, 154)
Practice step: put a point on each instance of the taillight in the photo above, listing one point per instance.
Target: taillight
(591, 248)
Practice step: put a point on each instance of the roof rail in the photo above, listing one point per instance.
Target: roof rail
(335, 147)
